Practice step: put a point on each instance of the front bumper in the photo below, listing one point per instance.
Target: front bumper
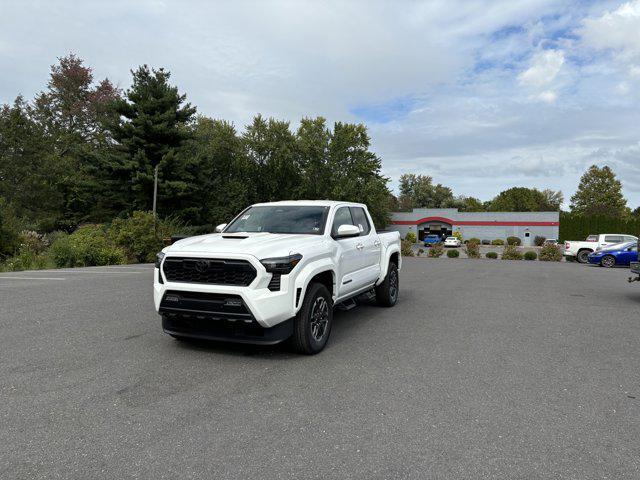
(265, 308)
(594, 259)
(196, 326)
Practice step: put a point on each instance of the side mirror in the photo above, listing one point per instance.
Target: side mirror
(220, 227)
(345, 231)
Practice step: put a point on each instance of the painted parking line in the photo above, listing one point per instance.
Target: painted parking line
(31, 278)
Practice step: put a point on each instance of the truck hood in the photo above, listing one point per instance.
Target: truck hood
(260, 245)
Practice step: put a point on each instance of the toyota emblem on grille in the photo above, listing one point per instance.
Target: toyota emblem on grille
(202, 266)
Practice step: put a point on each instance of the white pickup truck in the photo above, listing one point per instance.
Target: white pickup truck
(275, 272)
(581, 250)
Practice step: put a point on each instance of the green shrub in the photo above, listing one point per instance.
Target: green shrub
(538, 240)
(473, 240)
(514, 241)
(491, 255)
(411, 237)
(530, 255)
(138, 236)
(436, 250)
(405, 248)
(472, 250)
(511, 252)
(550, 253)
(89, 245)
(27, 259)
(497, 241)
(453, 253)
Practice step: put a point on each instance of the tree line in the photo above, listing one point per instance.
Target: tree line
(599, 194)
(85, 152)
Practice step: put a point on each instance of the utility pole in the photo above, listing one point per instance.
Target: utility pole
(155, 190)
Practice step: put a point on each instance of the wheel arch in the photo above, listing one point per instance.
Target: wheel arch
(391, 255)
(322, 273)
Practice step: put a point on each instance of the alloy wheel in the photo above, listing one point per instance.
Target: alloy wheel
(393, 284)
(319, 318)
(608, 261)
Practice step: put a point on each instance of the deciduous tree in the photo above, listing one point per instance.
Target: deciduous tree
(599, 193)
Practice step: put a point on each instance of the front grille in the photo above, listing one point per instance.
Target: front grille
(200, 305)
(209, 270)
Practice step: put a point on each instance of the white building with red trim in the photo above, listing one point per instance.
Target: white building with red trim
(482, 225)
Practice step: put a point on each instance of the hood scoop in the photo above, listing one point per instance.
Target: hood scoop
(236, 237)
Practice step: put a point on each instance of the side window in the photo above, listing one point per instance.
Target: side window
(613, 239)
(629, 239)
(342, 217)
(360, 220)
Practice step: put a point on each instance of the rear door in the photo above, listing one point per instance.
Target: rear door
(369, 246)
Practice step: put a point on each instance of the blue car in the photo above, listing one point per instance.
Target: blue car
(431, 240)
(620, 254)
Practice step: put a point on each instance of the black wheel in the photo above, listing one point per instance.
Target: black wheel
(387, 292)
(608, 261)
(583, 256)
(312, 325)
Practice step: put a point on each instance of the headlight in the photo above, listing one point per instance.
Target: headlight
(159, 257)
(282, 265)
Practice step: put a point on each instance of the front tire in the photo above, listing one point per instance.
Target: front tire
(608, 261)
(312, 324)
(387, 292)
(583, 256)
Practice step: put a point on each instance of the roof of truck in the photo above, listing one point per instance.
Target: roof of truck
(322, 203)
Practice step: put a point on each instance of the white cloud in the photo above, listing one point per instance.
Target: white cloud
(618, 30)
(623, 88)
(548, 96)
(545, 66)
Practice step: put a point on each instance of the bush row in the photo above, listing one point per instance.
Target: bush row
(127, 240)
(549, 253)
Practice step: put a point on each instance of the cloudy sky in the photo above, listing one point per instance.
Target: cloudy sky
(482, 95)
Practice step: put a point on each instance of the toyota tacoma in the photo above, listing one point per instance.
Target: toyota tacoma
(276, 272)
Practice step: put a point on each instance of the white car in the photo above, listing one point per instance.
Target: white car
(581, 250)
(452, 242)
(276, 271)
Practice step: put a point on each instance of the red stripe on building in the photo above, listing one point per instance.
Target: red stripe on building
(476, 223)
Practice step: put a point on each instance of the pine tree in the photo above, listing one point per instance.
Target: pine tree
(149, 130)
(599, 193)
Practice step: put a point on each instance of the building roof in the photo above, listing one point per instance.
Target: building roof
(454, 217)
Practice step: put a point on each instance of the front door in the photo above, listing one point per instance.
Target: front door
(350, 261)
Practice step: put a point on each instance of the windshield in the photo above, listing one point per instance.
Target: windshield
(281, 219)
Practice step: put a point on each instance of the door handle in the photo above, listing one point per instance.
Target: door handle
(376, 243)
(359, 246)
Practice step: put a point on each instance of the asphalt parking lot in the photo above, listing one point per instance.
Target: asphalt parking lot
(485, 369)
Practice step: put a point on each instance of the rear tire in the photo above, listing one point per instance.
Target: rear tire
(608, 261)
(312, 324)
(387, 292)
(583, 256)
